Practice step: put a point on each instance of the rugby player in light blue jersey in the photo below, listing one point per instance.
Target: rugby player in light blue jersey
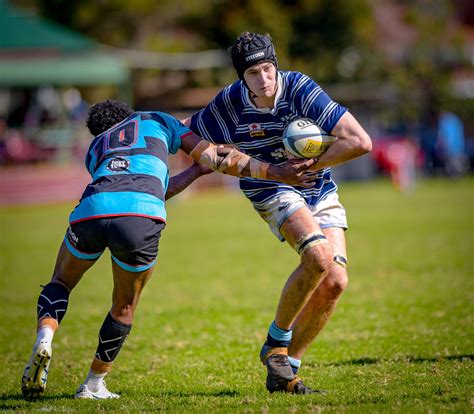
(251, 114)
(123, 209)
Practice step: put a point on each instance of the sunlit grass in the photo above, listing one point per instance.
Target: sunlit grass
(401, 339)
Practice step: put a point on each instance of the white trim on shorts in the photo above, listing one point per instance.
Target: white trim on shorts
(328, 212)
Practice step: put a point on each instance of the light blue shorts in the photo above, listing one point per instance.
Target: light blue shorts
(329, 212)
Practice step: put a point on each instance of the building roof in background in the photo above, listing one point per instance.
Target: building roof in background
(35, 52)
(24, 31)
(70, 70)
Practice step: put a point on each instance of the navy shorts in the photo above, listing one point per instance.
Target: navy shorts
(132, 241)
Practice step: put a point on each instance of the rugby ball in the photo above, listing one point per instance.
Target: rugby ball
(302, 138)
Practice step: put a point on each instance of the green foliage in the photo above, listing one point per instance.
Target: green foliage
(310, 35)
(424, 74)
(329, 40)
(400, 340)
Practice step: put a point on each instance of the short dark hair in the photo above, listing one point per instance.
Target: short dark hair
(106, 114)
(250, 49)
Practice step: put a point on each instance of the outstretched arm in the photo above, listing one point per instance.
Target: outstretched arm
(181, 181)
(233, 162)
(352, 142)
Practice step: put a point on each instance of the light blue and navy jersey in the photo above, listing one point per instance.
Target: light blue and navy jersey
(232, 118)
(129, 168)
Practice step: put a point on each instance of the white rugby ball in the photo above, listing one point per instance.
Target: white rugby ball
(302, 138)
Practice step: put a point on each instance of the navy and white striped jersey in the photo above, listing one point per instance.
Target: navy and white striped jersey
(129, 168)
(232, 118)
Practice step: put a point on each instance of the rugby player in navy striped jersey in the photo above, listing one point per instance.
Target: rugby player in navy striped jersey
(123, 209)
(251, 114)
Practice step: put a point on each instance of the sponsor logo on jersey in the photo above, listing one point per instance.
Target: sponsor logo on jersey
(256, 130)
(118, 164)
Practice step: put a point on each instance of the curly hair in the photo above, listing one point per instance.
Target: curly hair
(106, 114)
(244, 39)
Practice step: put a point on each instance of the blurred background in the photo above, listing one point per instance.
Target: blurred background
(403, 67)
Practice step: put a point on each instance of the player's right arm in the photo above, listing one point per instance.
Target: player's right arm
(352, 142)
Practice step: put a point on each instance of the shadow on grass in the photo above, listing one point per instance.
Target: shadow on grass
(218, 393)
(19, 397)
(11, 401)
(407, 358)
(15, 400)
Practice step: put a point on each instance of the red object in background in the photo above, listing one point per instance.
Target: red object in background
(388, 151)
(400, 157)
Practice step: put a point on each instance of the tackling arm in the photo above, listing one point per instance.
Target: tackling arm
(233, 162)
(352, 142)
(185, 178)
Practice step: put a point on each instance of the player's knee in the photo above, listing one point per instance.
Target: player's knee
(123, 312)
(318, 260)
(336, 282)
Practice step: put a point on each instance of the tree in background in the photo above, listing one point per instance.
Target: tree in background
(327, 39)
(414, 45)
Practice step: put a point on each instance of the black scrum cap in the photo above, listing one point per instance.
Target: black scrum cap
(250, 49)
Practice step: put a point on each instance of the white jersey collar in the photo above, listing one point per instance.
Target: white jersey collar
(277, 97)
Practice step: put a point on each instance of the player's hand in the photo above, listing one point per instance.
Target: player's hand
(295, 172)
(201, 169)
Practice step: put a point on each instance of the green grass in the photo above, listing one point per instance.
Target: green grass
(401, 339)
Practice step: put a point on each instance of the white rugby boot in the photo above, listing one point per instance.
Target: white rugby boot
(101, 394)
(35, 375)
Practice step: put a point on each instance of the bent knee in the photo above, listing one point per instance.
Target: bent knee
(123, 312)
(318, 259)
(336, 282)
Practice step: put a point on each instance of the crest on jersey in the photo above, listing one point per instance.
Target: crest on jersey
(256, 130)
(118, 164)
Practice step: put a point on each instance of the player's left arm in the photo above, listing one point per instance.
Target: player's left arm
(352, 142)
(185, 178)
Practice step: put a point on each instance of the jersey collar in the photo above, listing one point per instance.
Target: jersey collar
(249, 102)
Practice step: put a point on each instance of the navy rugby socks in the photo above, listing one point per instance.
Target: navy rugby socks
(112, 335)
(53, 301)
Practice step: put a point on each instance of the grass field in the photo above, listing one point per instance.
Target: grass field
(401, 340)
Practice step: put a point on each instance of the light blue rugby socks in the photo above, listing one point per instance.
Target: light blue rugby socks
(295, 364)
(278, 337)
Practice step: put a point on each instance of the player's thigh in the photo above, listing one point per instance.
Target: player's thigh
(128, 285)
(337, 239)
(69, 269)
(83, 244)
(336, 280)
(298, 225)
(133, 243)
